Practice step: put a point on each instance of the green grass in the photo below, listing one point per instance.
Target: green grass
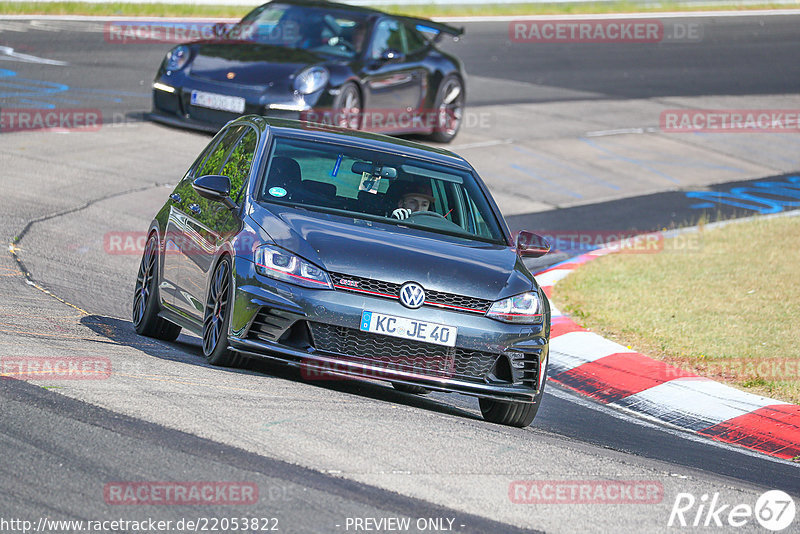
(730, 309)
(224, 11)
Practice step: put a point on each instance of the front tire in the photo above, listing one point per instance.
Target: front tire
(146, 300)
(519, 414)
(217, 316)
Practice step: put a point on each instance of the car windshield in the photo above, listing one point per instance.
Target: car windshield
(332, 31)
(370, 184)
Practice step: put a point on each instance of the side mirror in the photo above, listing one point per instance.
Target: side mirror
(530, 245)
(390, 54)
(216, 188)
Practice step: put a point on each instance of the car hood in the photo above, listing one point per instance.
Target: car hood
(396, 254)
(248, 63)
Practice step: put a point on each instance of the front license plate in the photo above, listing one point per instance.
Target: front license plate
(234, 104)
(390, 325)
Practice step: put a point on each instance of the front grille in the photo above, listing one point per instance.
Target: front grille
(380, 288)
(402, 354)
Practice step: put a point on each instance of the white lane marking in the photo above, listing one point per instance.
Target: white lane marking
(577, 348)
(621, 131)
(630, 416)
(550, 278)
(8, 54)
(482, 144)
(63, 25)
(115, 18)
(20, 27)
(695, 403)
(621, 16)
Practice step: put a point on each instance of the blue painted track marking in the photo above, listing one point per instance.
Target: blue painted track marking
(589, 177)
(638, 163)
(782, 195)
(553, 186)
(29, 90)
(25, 92)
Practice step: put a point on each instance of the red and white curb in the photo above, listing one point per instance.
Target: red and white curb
(617, 376)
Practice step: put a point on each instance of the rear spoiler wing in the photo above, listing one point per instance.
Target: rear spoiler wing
(436, 28)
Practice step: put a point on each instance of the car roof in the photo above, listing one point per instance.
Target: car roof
(371, 11)
(305, 130)
(335, 5)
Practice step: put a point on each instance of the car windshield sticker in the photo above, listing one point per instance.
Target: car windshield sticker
(335, 170)
(277, 191)
(369, 183)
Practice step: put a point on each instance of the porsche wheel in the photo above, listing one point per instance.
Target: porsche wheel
(347, 109)
(449, 108)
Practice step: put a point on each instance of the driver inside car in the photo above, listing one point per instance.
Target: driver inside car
(416, 197)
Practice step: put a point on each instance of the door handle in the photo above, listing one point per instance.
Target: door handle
(175, 197)
(194, 208)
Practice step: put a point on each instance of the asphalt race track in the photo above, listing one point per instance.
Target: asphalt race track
(566, 136)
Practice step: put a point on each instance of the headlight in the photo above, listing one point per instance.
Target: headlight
(177, 58)
(522, 309)
(311, 80)
(277, 263)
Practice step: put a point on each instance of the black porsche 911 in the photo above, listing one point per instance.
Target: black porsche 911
(319, 62)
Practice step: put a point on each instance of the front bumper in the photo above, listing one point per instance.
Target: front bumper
(175, 108)
(282, 322)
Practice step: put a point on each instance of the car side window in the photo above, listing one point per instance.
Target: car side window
(388, 35)
(239, 163)
(214, 161)
(414, 40)
(211, 163)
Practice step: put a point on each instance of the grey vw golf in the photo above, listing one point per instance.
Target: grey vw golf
(348, 254)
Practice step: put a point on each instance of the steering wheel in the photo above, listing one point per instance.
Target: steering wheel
(336, 40)
(423, 214)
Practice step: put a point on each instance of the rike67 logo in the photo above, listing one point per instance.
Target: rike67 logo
(774, 510)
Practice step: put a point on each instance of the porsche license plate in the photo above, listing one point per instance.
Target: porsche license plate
(391, 325)
(234, 104)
